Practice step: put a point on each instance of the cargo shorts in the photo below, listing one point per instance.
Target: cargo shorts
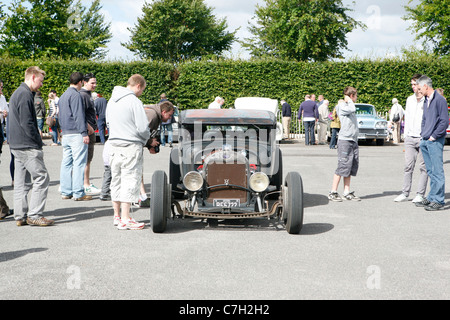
(126, 172)
(348, 158)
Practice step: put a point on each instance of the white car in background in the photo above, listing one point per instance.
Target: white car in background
(257, 103)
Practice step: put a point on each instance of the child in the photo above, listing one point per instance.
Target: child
(348, 149)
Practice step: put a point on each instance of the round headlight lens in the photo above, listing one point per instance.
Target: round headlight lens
(259, 182)
(381, 125)
(193, 181)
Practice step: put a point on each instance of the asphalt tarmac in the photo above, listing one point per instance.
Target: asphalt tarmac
(373, 249)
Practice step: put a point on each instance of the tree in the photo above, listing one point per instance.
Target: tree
(431, 21)
(301, 30)
(2, 15)
(58, 29)
(177, 30)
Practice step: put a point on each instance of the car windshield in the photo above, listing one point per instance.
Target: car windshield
(208, 133)
(364, 110)
(256, 141)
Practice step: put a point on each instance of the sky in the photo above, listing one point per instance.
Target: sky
(385, 36)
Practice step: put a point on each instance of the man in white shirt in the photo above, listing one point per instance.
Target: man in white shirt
(323, 121)
(3, 113)
(217, 103)
(4, 209)
(396, 116)
(413, 123)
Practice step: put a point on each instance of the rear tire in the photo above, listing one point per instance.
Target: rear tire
(159, 203)
(277, 178)
(175, 174)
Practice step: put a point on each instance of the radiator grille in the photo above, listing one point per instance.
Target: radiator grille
(219, 174)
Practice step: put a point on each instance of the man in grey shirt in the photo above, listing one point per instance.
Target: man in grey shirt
(348, 149)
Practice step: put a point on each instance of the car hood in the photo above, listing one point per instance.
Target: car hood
(368, 120)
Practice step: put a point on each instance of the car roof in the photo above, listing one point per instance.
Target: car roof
(228, 117)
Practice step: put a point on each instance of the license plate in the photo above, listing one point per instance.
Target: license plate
(362, 136)
(227, 203)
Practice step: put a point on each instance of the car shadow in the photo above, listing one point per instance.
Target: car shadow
(180, 225)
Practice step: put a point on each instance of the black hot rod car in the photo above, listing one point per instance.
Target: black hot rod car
(228, 165)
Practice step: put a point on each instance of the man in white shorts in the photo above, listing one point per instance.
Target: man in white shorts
(128, 133)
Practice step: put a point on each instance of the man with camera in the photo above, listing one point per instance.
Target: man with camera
(156, 114)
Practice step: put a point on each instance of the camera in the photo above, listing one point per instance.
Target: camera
(156, 134)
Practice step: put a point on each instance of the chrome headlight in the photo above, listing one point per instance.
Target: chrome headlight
(193, 181)
(381, 125)
(259, 181)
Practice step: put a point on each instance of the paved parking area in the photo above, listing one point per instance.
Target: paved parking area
(373, 249)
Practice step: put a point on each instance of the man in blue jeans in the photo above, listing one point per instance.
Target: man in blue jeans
(75, 141)
(434, 125)
(310, 114)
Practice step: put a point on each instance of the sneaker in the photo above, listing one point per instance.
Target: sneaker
(418, 198)
(401, 198)
(135, 204)
(116, 220)
(145, 203)
(92, 190)
(41, 221)
(83, 198)
(425, 202)
(130, 225)
(6, 213)
(66, 197)
(334, 196)
(21, 222)
(351, 196)
(105, 198)
(434, 206)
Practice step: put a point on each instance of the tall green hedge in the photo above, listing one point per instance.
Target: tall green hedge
(377, 81)
(195, 84)
(108, 74)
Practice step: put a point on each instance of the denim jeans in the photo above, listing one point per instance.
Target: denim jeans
(55, 131)
(334, 137)
(73, 165)
(101, 124)
(169, 129)
(309, 132)
(433, 155)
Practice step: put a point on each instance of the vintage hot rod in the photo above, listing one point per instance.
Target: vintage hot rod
(228, 165)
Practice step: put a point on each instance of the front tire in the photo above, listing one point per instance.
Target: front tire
(293, 202)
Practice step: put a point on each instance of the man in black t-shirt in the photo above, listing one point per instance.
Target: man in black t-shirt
(89, 85)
